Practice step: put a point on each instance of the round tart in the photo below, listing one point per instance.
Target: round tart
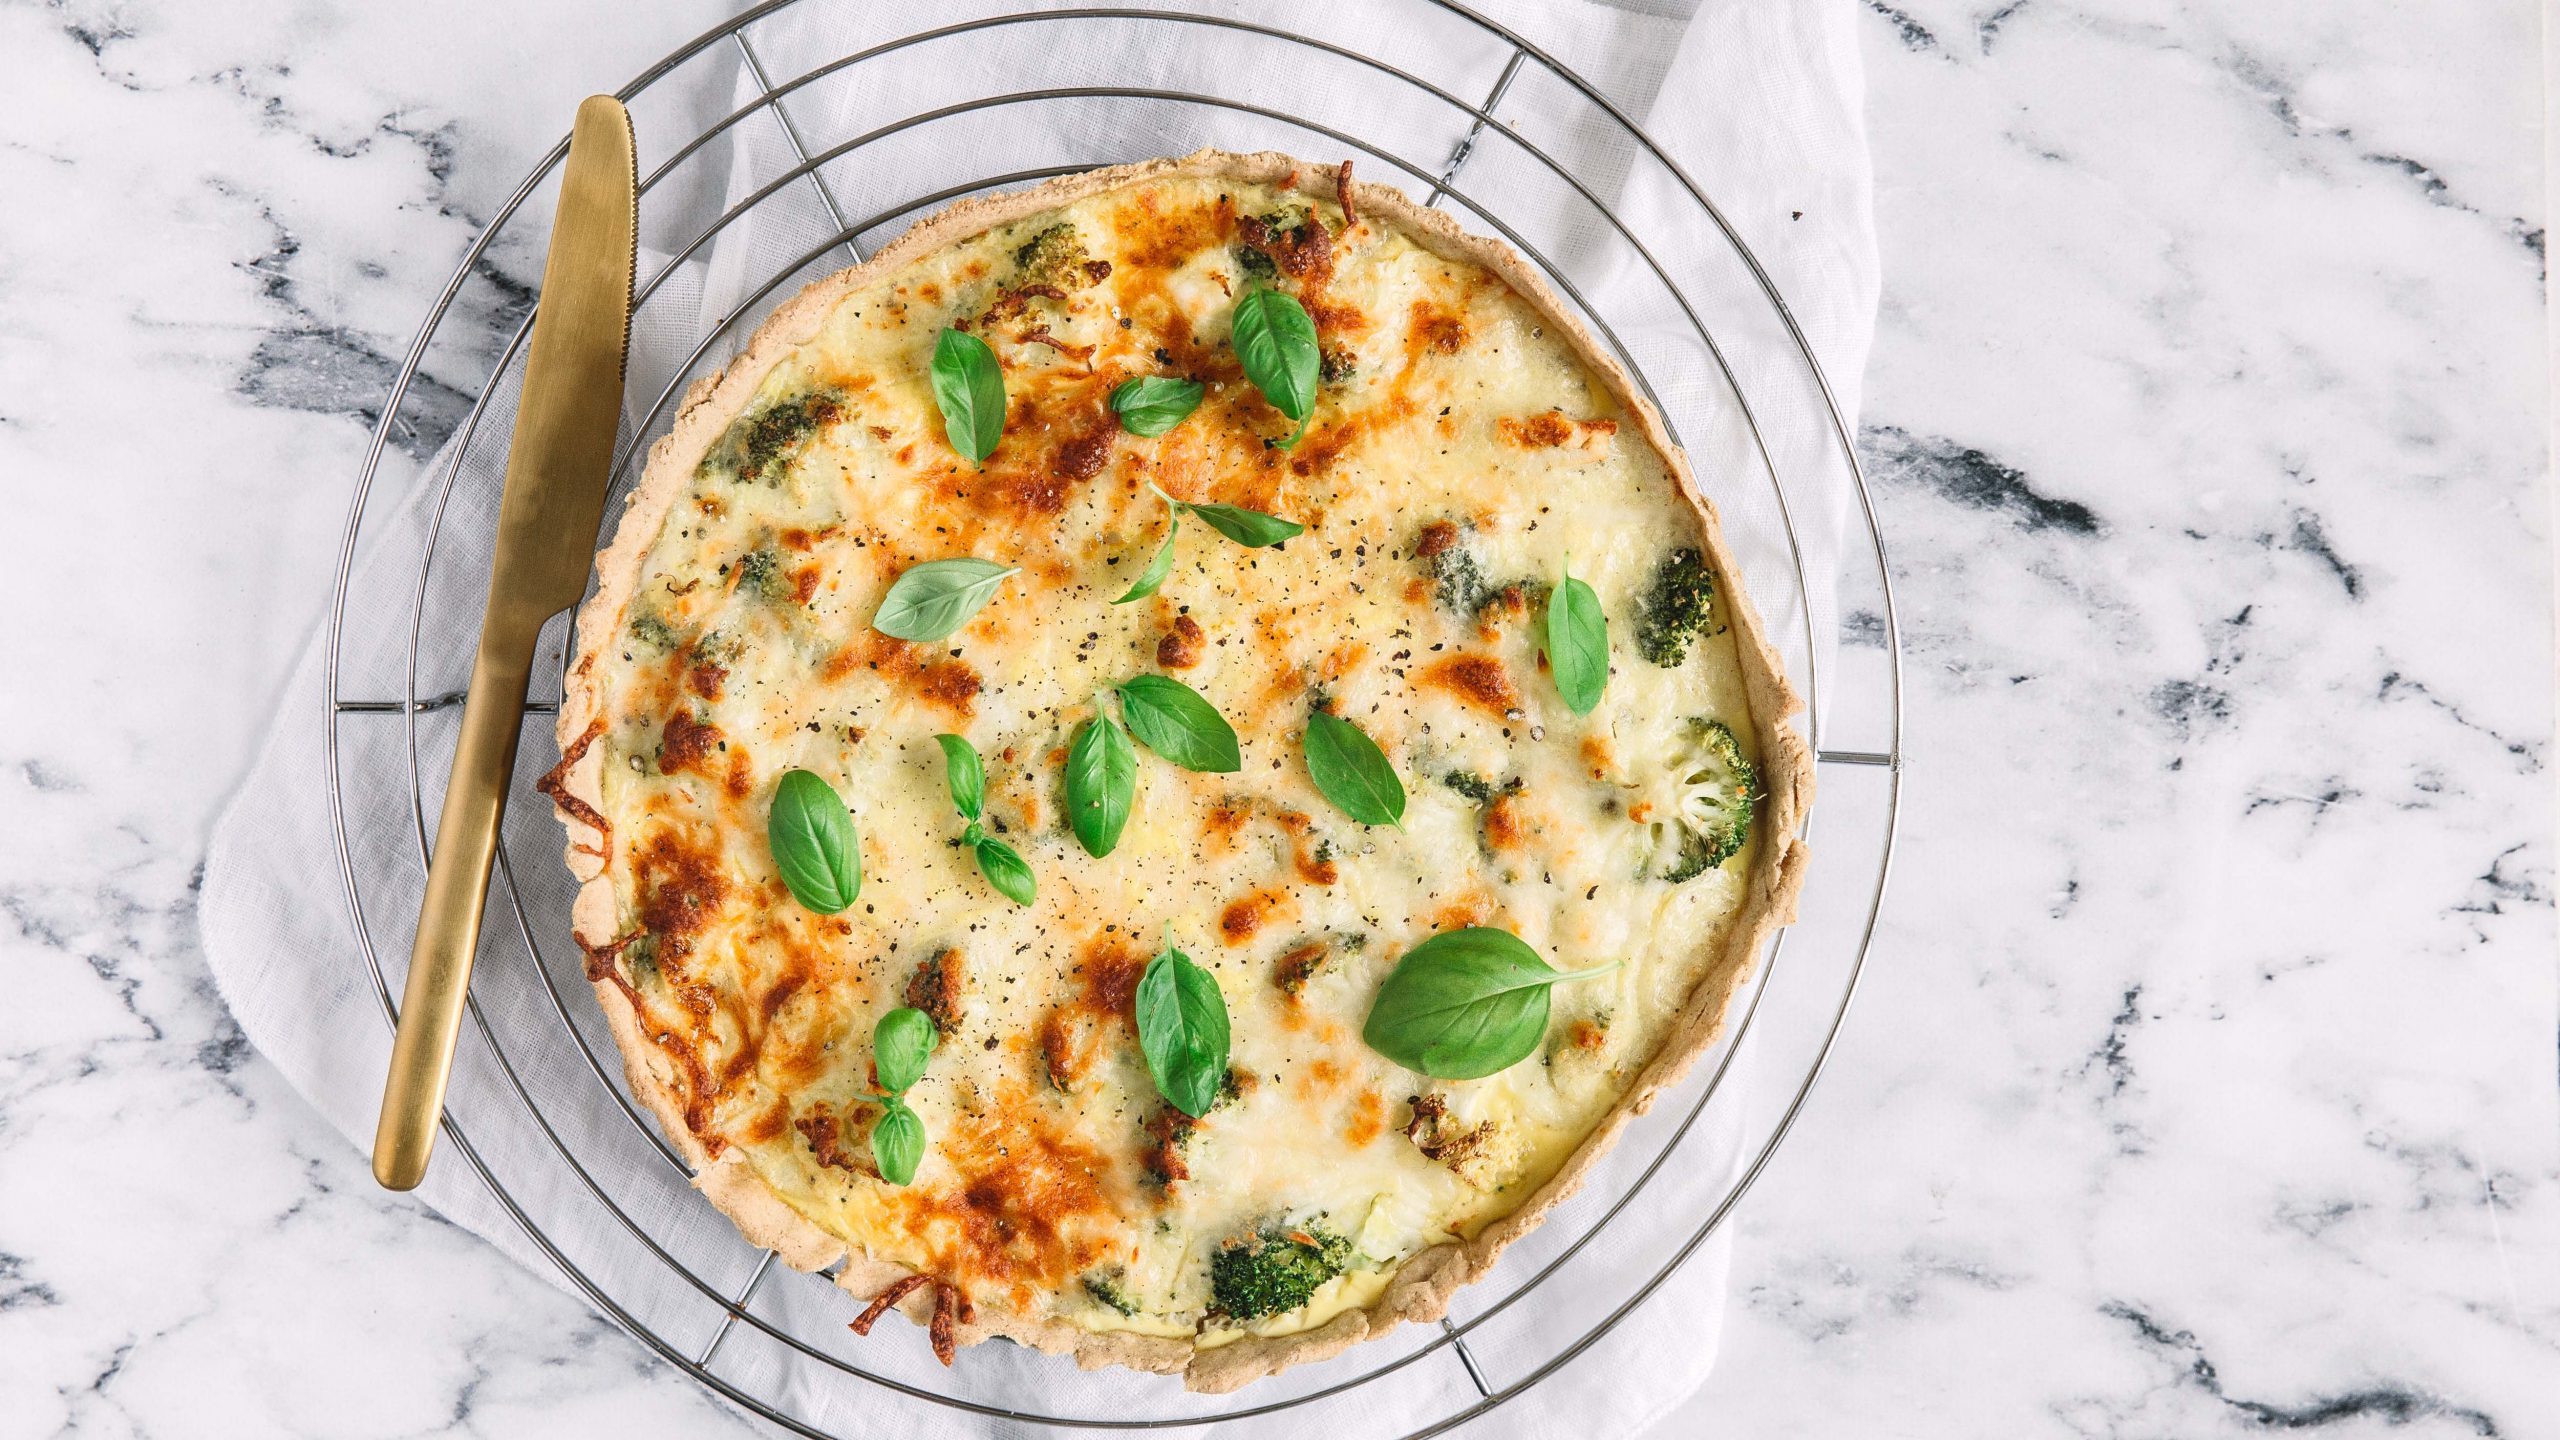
(1367, 784)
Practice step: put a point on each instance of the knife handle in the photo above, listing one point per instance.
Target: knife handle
(449, 920)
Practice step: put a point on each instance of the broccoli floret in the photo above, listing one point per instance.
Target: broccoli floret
(718, 647)
(652, 630)
(1253, 264)
(1677, 608)
(1477, 788)
(1274, 1270)
(1051, 257)
(760, 573)
(1462, 589)
(1106, 1291)
(760, 447)
(1706, 819)
(1336, 365)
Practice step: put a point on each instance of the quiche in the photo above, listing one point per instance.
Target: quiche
(1444, 681)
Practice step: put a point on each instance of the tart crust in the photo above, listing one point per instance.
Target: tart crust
(1423, 1286)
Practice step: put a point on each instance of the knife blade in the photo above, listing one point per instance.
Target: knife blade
(558, 463)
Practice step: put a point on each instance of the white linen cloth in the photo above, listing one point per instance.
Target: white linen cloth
(1759, 100)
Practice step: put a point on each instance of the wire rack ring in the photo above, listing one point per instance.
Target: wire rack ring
(594, 1195)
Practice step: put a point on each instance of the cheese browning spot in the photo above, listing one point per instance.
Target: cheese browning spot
(1479, 680)
(686, 743)
(554, 784)
(1182, 645)
(828, 1137)
(938, 987)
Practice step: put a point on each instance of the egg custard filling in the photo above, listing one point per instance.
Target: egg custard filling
(1409, 724)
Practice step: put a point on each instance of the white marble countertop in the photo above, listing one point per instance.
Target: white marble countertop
(2203, 1082)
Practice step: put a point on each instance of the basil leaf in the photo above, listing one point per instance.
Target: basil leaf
(968, 385)
(1577, 643)
(1006, 870)
(1102, 782)
(966, 774)
(1182, 1025)
(1465, 1004)
(935, 598)
(1176, 722)
(813, 842)
(897, 1143)
(1153, 404)
(1275, 340)
(899, 1045)
(1352, 771)
(1247, 527)
(1158, 568)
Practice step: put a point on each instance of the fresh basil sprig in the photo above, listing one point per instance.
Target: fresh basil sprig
(814, 845)
(1174, 720)
(1352, 771)
(1245, 527)
(965, 773)
(897, 1142)
(1465, 1004)
(1003, 865)
(1577, 643)
(933, 599)
(1275, 340)
(1102, 783)
(900, 1044)
(1153, 404)
(968, 386)
(1178, 723)
(1182, 1027)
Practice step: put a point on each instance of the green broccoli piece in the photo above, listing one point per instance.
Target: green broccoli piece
(1106, 1291)
(760, 446)
(1677, 609)
(1711, 820)
(760, 573)
(1253, 264)
(718, 647)
(1336, 365)
(763, 445)
(1462, 588)
(651, 630)
(1274, 1270)
(1054, 256)
(1477, 788)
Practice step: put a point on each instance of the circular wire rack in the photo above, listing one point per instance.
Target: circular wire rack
(785, 121)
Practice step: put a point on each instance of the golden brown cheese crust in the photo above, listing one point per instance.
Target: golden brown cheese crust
(744, 1021)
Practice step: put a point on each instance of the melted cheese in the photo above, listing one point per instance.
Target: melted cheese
(746, 651)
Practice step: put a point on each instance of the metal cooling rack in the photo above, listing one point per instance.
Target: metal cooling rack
(603, 1194)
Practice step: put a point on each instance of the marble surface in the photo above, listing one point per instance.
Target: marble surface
(2204, 1081)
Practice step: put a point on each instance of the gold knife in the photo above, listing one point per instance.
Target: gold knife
(557, 466)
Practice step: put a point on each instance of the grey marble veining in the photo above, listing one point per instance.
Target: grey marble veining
(2203, 1082)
